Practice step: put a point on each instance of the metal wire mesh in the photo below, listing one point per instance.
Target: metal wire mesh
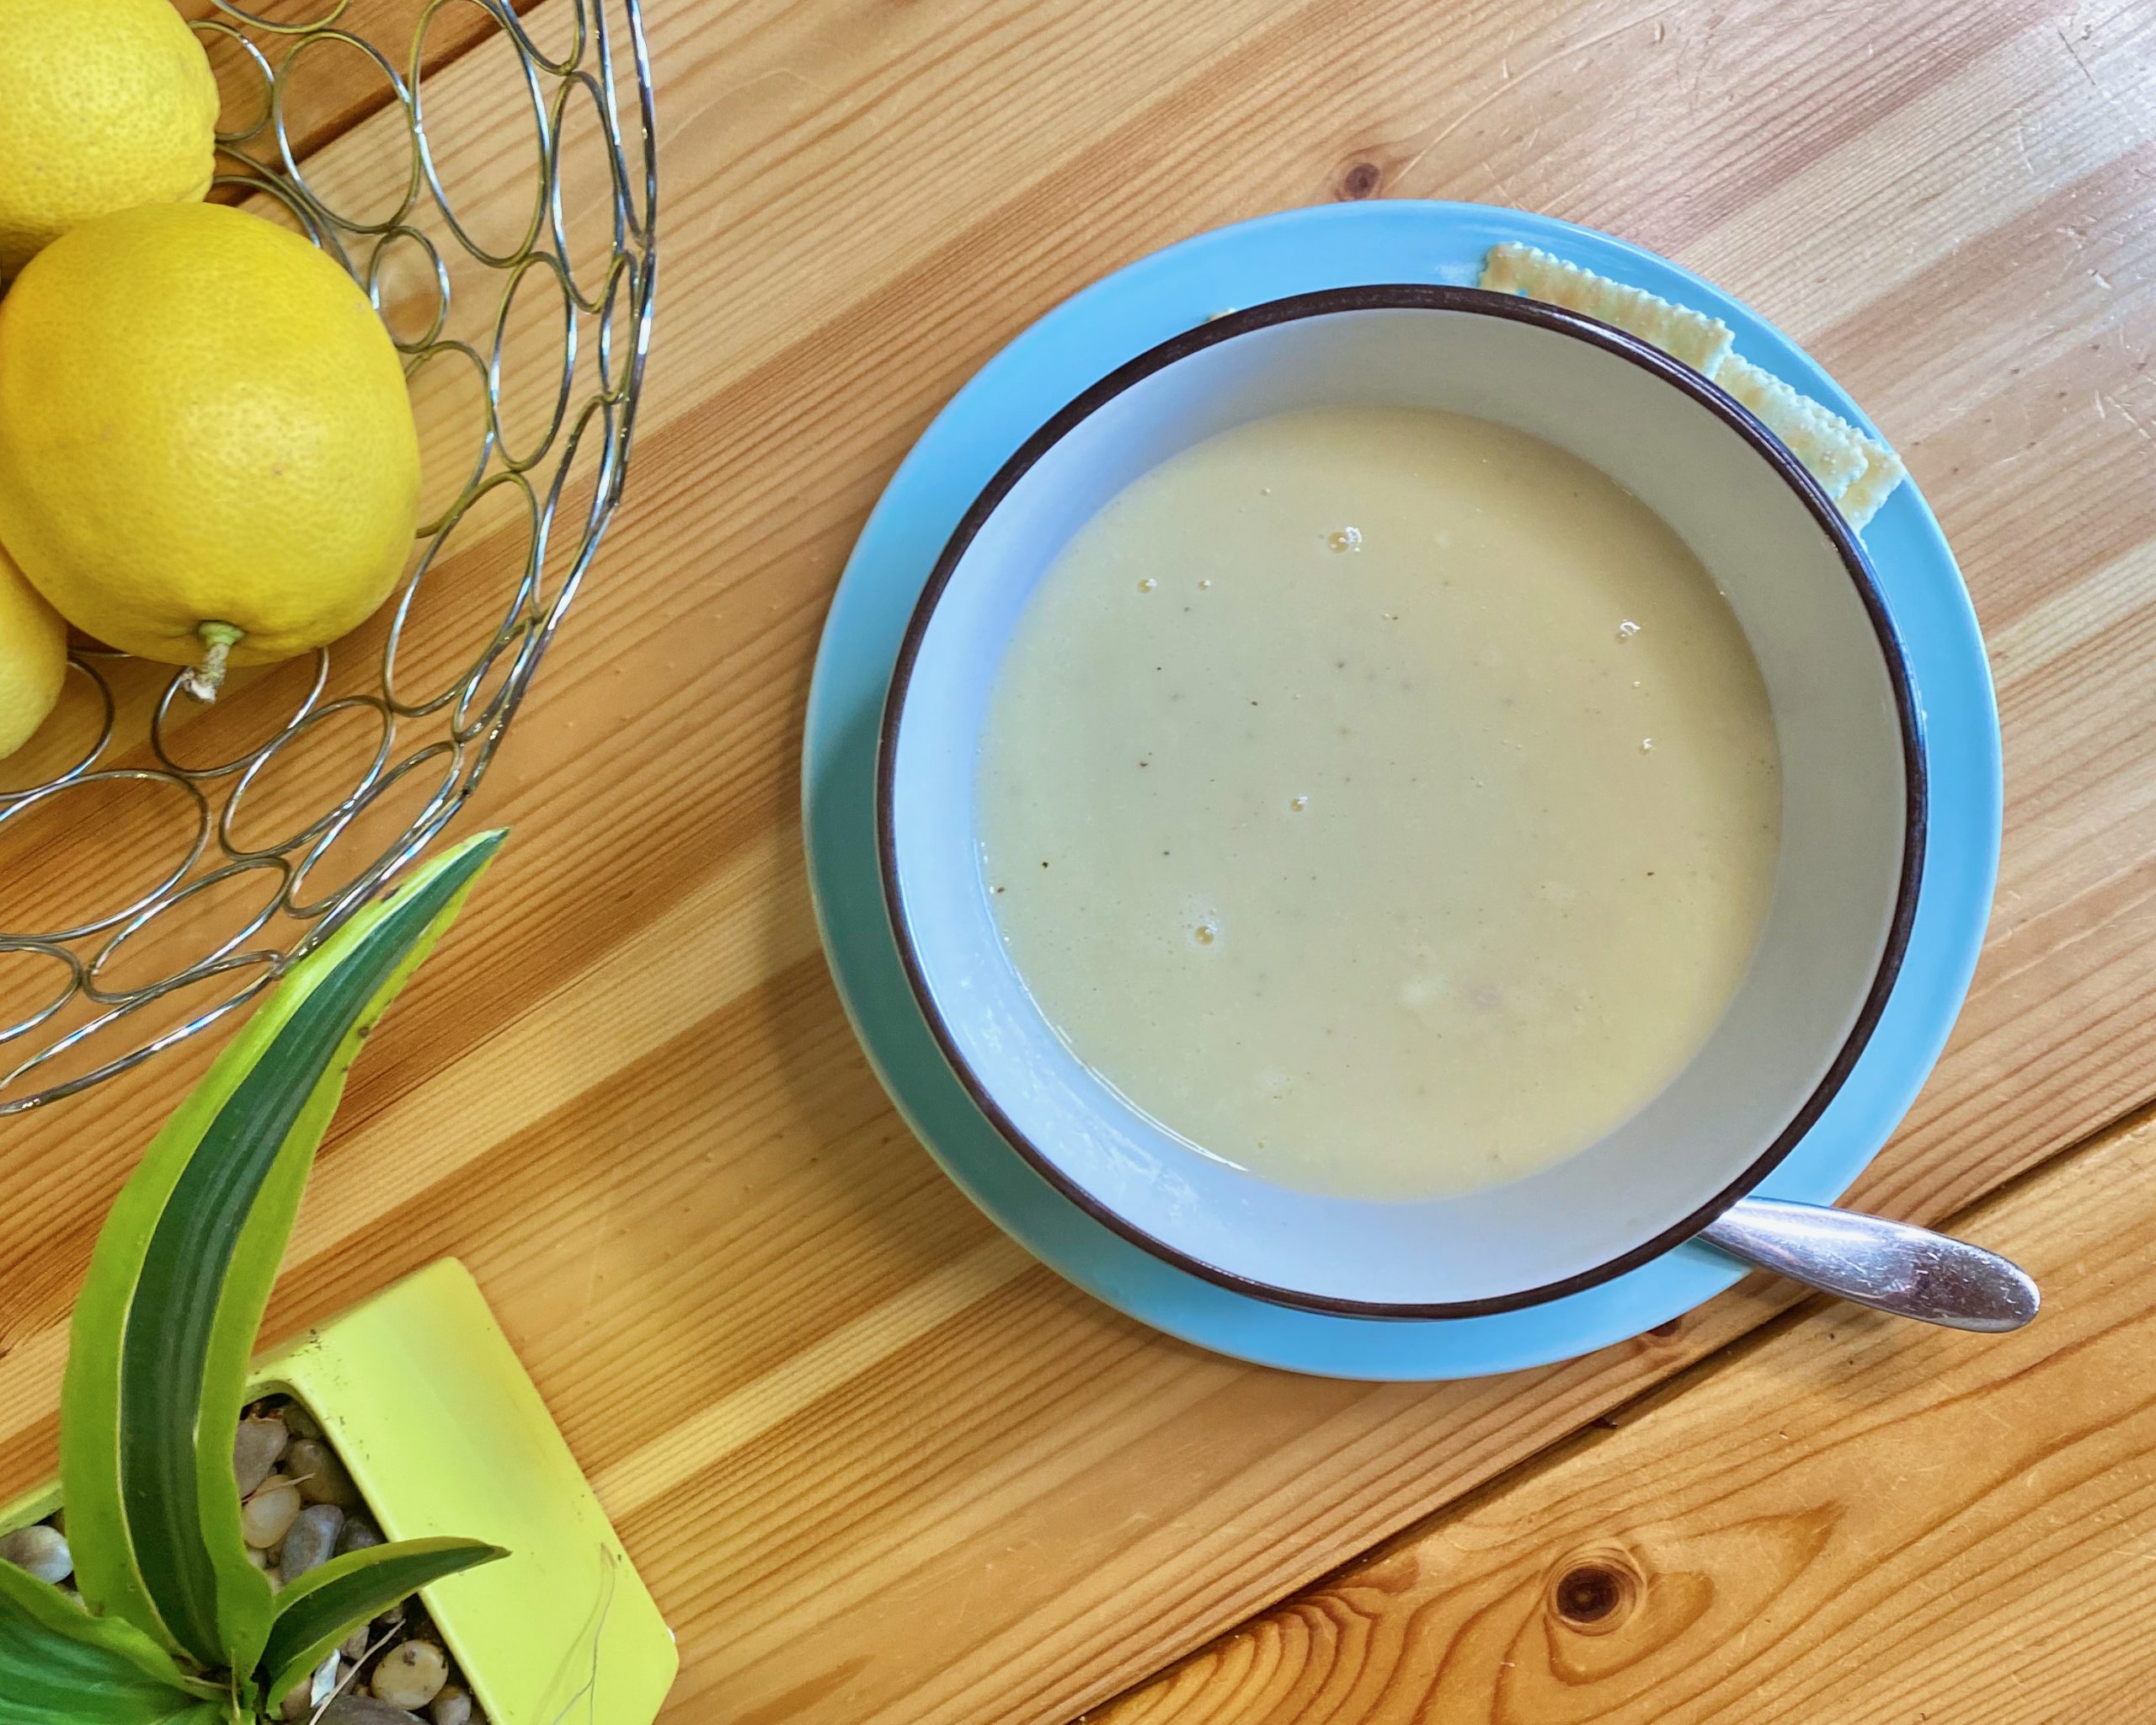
(92, 984)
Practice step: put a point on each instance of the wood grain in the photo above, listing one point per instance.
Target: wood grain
(1852, 1518)
(876, 1466)
(329, 87)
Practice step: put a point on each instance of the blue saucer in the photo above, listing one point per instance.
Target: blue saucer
(1115, 319)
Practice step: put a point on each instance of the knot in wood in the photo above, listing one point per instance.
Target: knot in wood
(1361, 180)
(1594, 1595)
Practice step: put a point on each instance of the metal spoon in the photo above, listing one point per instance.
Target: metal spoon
(1891, 1266)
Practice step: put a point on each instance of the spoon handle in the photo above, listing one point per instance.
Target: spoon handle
(1892, 1266)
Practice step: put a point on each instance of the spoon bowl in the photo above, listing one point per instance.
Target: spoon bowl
(1888, 1265)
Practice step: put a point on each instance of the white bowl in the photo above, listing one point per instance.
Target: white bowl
(1852, 760)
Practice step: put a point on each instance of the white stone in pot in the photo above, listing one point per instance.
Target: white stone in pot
(410, 1674)
(267, 1515)
(256, 1450)
(42, 1551)
(308, 1695)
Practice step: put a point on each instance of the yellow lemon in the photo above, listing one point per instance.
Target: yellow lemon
(33, 658)
(103, 104)
(205, 442)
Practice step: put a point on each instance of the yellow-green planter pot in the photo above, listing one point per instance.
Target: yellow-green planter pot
(443, 1432)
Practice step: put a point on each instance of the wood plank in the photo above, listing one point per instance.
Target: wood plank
(1851, 1518)
(876, 1466)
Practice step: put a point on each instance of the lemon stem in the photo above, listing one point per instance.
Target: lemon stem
(218, 640)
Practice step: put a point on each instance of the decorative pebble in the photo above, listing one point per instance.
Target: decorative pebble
(357, 1643)
(365, 1710)
(40, 1550)
(410, 1674)
(320, 1476)
(260, 1560)
(269, 1513)
(312, 1539)
(256, 1451)
(452, 1707)
(358, 1535)
(306, 1696)
(299, 1421)
(275, 1577)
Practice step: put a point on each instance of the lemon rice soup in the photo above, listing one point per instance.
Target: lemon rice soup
(1383, 800)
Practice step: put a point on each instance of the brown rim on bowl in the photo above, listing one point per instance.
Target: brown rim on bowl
(1417, 296)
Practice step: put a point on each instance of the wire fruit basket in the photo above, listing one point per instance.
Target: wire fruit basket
(491, 183)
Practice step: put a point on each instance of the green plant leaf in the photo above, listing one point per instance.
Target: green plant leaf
(60, 1666)
(167, 1319)
(318, 1610)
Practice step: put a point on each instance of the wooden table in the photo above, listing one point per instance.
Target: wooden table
(878, 1465)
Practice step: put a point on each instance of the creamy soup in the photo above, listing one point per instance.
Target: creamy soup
(1383, 800)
